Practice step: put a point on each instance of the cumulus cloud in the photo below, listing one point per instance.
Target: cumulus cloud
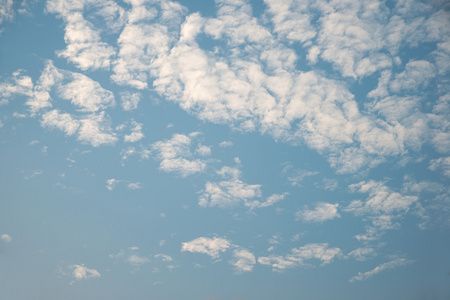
(383, 206)
(322, 212)
(84, 45)
(243, 260)
(381, 199)
(136, 133)
(226, 144)
(80, 272)
(298, 256)
(176, 156)
(232, 191)
(130, 101)
(111, 183)
(395, 263)
(90, 122)
(212, 247)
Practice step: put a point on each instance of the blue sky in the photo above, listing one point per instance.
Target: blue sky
(224, 150)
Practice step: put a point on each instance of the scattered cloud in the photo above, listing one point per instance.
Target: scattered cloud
(243, 260)
(322, 212)
(362, 254)
(442, 163)
(80, 272)
(233, 191)
(212, 247)
(395, 263)
(129, 100)
(298, 256)
(176, 156)
(136, 133)
(226, 144)
(381, 199)
(131, 256)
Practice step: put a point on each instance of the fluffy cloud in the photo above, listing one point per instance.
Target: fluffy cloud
(112, 183)
(322, 212)
(298, 256)
(84, 45)
(395, 263)
(81, 272)
(130, 101)
(212, 247)
(243, 260)
(136, 133)
(175, 153)
(381, 199)
(233, 191)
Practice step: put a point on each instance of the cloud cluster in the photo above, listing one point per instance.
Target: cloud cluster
(175, 155)
(383, 206)
(298, 256)
(80, 272)
(232, 191)
(243, 260)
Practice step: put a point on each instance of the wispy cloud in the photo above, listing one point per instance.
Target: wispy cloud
(395, 263)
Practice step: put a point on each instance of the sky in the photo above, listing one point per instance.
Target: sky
(224, 150)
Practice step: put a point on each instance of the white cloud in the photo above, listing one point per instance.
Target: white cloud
(442, 163)
(395, 263)
(322, 212)
(130, 101)
(300, 255)
(84, 46)
(362, 254)
(6, 11)
(54, 119)
(136, 133)
(164, 257)
(226, 144)
(330, 184)
(174, 155)
(134, 185)
(111, 183)
(381, 199)
(416, 75)
(243, 260)
(6, 237)
(233, 191)
(203, 150)
(212, 247)
(298, 175)
(137, 260)
(81, 272)
(96, 130)
(85, 93)
(131, 257)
